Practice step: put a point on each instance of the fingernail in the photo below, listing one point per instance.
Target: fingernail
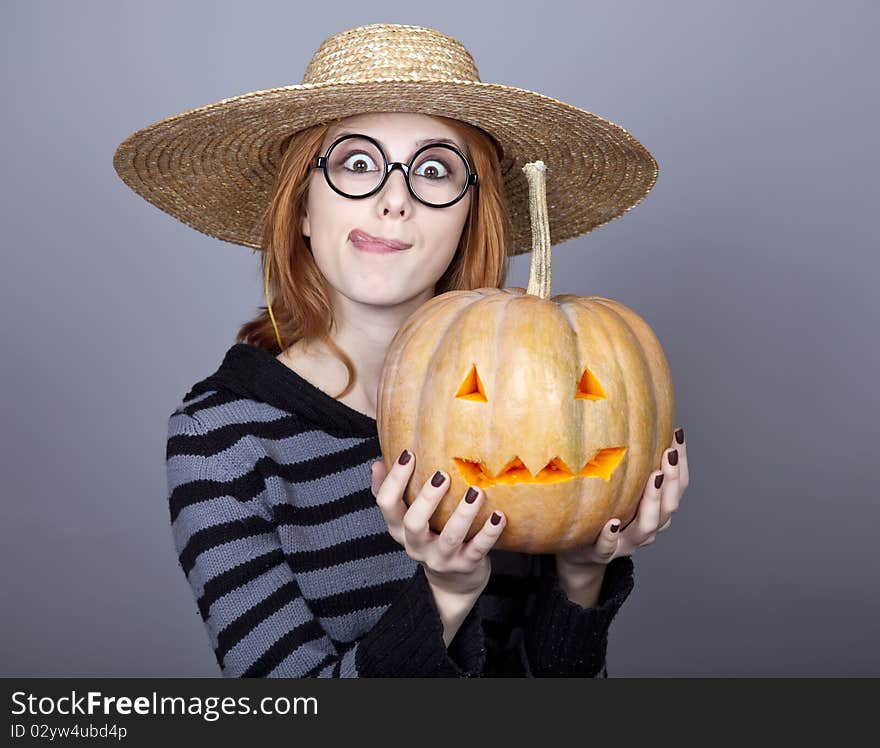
(496, 518)
(471, 495)
(404, 457)
(437, 479)
(673, 457)
(658, 481)
(615, 527)
(679, 436)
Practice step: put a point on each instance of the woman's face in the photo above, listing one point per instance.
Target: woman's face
(392, 213)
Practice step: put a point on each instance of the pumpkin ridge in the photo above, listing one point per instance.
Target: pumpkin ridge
(466, 303)
(653, 359)
(646, 369)
(399, 344)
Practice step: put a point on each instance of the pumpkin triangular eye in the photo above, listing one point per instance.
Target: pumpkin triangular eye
(472, 388)
(589, 387)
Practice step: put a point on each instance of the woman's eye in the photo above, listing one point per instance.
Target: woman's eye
(359, 162)
(432, 169)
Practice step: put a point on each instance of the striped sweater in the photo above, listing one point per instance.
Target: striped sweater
(291, 564)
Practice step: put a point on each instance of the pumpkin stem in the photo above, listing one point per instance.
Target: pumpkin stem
(539, 275)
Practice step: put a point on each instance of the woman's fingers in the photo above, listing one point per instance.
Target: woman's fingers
(458, 525)
(390, 490)
(377, 476)
(659, 501)
(483, 542)
(681, 446)
(608, 540)
(670, 491)
(416, 528)
(648, 517)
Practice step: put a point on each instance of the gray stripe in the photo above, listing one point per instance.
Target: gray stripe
(359, 524)
(308, 444)
(218, 511)
(351, 625)
(231, 607)
(349, 576)
(196, 399)
(225, 466)
(181, 424)
(330, 488)
(240, 411)
(215, 561)
(347, 668)
(246, 652)
(298, 448)
(303, 659)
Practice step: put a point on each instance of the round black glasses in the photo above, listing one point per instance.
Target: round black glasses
(438, 174)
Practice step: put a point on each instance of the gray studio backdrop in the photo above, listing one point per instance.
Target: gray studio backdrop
(754, 259)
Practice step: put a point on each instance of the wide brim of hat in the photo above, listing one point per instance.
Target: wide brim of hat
(213, 168)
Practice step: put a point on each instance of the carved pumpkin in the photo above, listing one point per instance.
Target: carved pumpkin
(558, 408)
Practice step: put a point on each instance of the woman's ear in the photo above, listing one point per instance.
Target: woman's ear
(306, 228)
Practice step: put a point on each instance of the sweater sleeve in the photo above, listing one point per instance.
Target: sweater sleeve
(258, 622)
(563, 638)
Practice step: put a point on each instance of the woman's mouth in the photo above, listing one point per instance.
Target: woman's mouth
(374, 244)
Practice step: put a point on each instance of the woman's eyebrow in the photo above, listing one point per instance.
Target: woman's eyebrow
(418, 143)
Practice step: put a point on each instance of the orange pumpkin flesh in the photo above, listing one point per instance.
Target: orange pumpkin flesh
(558, 408)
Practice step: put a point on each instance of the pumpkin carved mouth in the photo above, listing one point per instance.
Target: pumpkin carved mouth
(601, 465)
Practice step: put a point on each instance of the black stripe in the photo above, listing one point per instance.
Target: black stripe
(236, 577)
(244, 489)
(221, 438)
(324, 465)
(315, 469)
(321, 665)
(236, 630)
(211, 537)
(272, 657)
(355, 549)
(357, 600)
(307, 516)
(212, 401)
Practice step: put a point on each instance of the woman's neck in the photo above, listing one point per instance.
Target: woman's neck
(319, 366)
(364, 332)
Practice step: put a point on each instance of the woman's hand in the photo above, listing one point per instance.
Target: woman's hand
(450, 564)
(659, 502)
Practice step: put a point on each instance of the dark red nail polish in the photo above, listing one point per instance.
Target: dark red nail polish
(496, 518)
(437, 479)
(679, 436)
(471, 495)
(404, 457)
(673, 457)
(658, 481)
(615, 527)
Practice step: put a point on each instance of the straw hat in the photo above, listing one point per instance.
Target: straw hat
(213, 167)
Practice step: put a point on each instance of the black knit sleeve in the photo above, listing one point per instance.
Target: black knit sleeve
(408, 639)
(563, 638)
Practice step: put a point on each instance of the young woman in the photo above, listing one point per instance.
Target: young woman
(301, 553)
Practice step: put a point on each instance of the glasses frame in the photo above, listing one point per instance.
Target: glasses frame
(322, 161)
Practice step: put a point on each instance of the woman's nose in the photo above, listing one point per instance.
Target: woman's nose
(395, 192)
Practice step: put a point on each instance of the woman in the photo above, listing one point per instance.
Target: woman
(302, 555)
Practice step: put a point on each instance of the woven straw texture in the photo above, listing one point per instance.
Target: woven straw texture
(213, 168)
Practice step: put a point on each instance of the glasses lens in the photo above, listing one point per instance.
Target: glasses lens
(438, 175)
(356, 167)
